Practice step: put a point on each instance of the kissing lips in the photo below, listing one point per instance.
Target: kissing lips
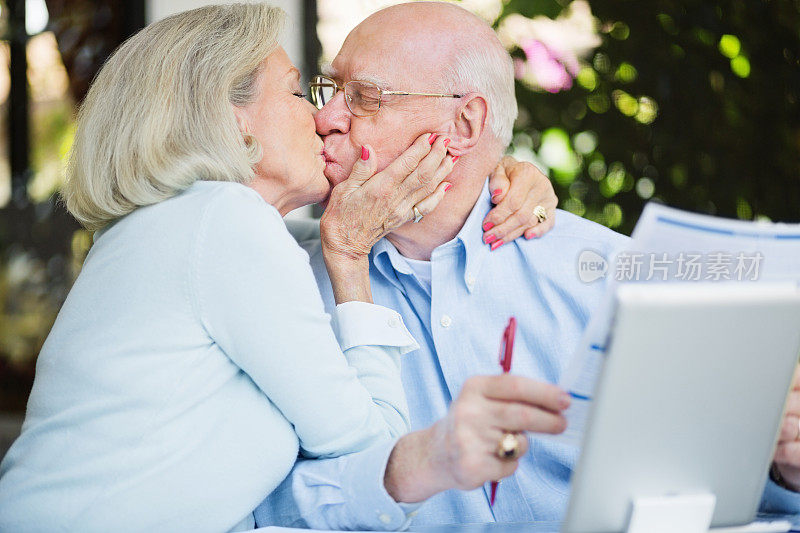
(332, 168)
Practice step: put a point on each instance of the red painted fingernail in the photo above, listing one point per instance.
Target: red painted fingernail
(455, 158)
(496, 192)
(489, 239)
(432, 138)
(497, 244)
(488, 226)
(364, 153)
(446, 142)
(449, 185)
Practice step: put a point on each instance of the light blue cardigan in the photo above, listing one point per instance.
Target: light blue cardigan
(191, 361)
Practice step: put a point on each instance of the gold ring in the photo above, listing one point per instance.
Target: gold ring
(417, 215)
(540, 212)
(508, 448)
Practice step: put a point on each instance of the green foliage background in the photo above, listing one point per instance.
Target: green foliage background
(725, 77)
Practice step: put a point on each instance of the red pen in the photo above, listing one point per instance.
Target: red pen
(506, 353)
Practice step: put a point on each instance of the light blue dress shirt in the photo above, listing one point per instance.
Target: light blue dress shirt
(474, 292)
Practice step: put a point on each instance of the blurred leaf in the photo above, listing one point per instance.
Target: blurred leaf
(531, 8)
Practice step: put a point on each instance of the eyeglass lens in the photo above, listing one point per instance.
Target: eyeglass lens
(362, 98)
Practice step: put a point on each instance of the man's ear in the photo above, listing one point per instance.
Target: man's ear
(470, 122)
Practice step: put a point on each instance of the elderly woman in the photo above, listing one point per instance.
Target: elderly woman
(193, 359)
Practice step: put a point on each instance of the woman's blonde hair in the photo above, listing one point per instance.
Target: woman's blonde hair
(158, 116)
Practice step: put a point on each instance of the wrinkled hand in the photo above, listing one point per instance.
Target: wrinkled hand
(787, 454)
(368, 205)
(517, 188)
(459, 451)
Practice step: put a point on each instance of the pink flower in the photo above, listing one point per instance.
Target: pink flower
(545, 67)
(553, 48)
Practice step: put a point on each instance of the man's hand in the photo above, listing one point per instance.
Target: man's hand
(459, 451)
(787, 454)
(517, 188)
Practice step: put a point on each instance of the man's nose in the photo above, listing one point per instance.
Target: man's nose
(334, 117)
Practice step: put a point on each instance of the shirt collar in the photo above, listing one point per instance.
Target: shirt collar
(471, 238)
(389, 262)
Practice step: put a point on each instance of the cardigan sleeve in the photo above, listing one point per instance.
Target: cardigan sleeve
(255, 294)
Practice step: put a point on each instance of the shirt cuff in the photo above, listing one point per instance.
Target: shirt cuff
(364, 324)
(367, 496)
(779, 500)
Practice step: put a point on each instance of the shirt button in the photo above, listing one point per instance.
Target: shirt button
(394, 322)
(385, 518)
(446, 321)
(471, 280)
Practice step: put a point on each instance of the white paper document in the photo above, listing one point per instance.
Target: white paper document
(672, 246)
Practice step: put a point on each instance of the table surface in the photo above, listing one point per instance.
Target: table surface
(549, 527)
(532, 527)
(528, 527)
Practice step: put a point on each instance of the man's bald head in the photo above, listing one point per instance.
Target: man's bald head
(454, 49)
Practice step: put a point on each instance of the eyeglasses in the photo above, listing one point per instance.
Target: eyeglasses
(363, 98)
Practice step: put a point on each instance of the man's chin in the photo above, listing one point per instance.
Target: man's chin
(335, 173)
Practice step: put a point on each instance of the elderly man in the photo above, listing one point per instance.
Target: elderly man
(455, 293)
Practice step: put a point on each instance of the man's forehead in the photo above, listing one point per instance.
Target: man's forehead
(386, 64)
(361, 74)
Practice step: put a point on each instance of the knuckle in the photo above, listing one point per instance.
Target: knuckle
(473, 384)
(512, 203)
(521, 218)
(525, 174)
(424, 176)
(381, 194)
(407, 165)
(502, 211)
(461, 413)
(398, 213)
(461, 410)
(371, 193)
(512, 385)
(515, 416)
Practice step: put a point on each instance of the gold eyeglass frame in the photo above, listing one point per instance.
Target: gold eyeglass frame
(324, 81)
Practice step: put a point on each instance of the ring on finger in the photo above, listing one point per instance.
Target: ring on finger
(508, 448)
(417, 214)
(540, 212)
